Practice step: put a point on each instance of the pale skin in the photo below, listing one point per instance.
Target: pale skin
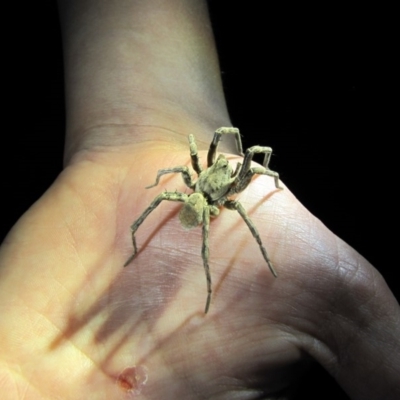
(72, 318)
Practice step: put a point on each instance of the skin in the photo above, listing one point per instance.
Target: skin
(141, 76)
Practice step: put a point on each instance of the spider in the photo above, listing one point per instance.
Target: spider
(212, 190)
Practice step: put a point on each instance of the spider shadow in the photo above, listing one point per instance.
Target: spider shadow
(121, 324)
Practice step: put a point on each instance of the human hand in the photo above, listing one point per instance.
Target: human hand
(74, 319)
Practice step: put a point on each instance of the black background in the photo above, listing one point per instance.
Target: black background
(314, 84)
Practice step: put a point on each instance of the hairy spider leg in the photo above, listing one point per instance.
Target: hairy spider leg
(194, 156)
(205, 252)
(235, 205)
(247, 172)
(170, 196)
(186, 176)
(237, 170)
(217, 138)
(242, 184)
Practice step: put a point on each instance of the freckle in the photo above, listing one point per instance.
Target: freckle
(132, 379)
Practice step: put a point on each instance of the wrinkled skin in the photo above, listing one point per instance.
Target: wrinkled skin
(72, 318)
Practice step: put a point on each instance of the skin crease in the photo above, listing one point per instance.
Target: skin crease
(138, 82)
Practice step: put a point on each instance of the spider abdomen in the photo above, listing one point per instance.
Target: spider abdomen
(191, 214)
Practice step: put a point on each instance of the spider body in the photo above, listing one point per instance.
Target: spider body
(215, 182)
(212, 190)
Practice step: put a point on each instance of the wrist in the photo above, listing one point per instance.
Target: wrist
(156, 70)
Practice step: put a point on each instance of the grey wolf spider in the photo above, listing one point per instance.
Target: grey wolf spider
(211, 191)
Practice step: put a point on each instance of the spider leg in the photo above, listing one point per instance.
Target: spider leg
(235, 205)
(170, 196)
(194, 156)
(217, 138)
(237, 169)
(242, 184)
(187, 178)
(246, 172)
(205, 252)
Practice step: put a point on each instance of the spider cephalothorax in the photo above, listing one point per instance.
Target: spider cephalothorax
(212, 190)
